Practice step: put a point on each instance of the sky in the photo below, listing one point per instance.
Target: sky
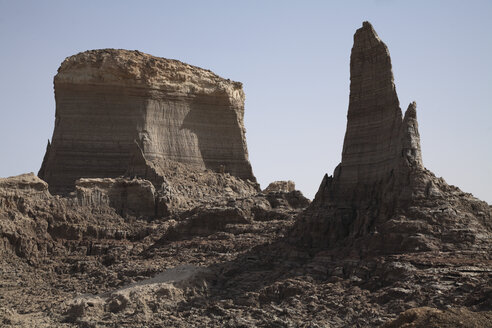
(293, 60)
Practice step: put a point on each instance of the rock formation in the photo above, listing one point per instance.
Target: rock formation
(129, 197)
(32, 221)
(282, 186)
(375, 132)
(106, 235)
(166, 241)
(181, 187)
(380, 197)
(108, 99)
(430, 317)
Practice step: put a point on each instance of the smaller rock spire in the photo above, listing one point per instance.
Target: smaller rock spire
(411, 138)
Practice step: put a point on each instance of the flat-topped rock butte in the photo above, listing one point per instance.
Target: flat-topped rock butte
(106, 100)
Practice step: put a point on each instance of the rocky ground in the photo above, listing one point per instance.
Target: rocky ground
(120, 272)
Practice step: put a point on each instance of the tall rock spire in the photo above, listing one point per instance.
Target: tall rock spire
(381, 175)
(378, 143)
(107, 99)
(374, 116)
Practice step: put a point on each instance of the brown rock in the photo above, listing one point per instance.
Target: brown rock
(427, 317)
(374, 117)
(377, 136)
(380, 197)
(395, 241)
(25, 182)
(280, 186)
(107, 99)
(134, 197)
(181, 187)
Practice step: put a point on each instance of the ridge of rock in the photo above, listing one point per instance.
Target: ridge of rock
(108, 99)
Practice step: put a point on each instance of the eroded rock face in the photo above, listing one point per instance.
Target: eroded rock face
(181, 187)
(377, 137)
(32, 220)
(374, 115)
(107, 99)
(380, 197)
(371, 248)
(129, 197)
(282, 186)
(426, 317)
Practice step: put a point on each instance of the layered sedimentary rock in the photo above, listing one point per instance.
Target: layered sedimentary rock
(372, 140)
(108, 99)
(182, 187)
(380, 197)
(129, 197)
(393, 237)
(376, 136)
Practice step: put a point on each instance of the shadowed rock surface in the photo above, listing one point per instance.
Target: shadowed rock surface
(106, 99)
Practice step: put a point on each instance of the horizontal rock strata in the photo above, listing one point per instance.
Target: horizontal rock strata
(107, 99)
(380, 197)
(172, 244)
(376, 135)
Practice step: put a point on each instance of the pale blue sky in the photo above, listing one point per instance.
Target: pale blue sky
(293, 58)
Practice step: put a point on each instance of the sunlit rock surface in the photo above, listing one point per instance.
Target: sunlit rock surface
(108, 99)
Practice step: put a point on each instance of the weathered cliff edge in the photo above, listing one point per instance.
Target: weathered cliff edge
(380, 198)
(108, 99)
